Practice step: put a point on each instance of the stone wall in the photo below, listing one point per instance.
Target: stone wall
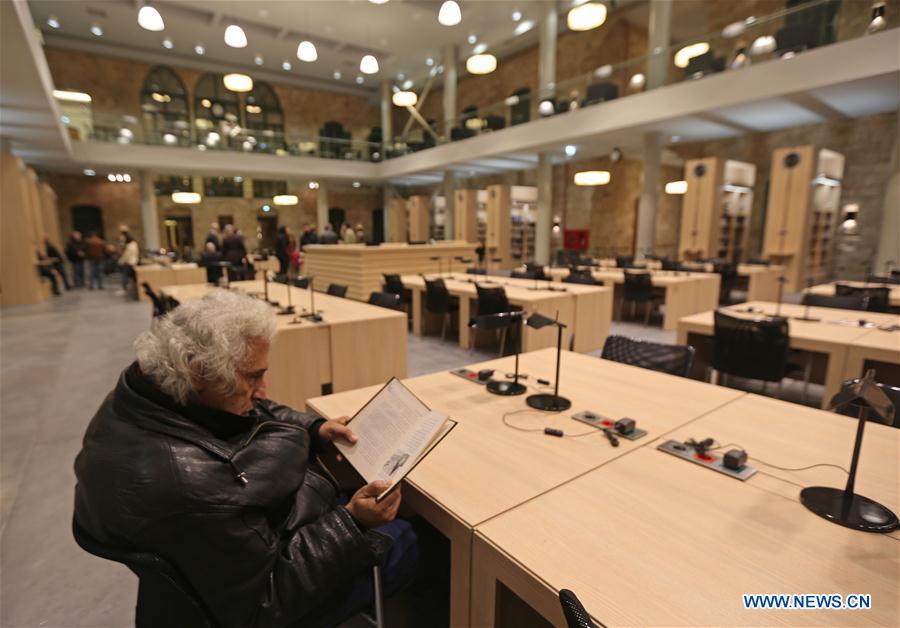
(120, 203)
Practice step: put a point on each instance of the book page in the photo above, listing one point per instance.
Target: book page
(393, 431)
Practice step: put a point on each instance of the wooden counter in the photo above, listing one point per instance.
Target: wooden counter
(158, 276)
(361, 267)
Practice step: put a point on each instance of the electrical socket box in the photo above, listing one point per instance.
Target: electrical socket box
(469, 376)
(603, 422)
(711, 460)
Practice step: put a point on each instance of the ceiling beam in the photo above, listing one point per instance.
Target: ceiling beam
(715, 118)
(813, 104)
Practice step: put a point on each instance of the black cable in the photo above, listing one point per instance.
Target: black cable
(775, 466)
(541, 429)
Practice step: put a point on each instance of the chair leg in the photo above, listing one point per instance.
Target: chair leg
(379, 601)
(807, 373)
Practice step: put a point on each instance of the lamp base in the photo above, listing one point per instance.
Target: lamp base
(551, 403)
(851, 511)
(499, 387)
(286, 311)
(808, 319)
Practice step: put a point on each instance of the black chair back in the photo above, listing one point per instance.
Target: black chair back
(437, 297)
(754, 348)
(491, 300)
(600, 92)
(393, 284)
(892, 278)
(159, 306)
(637, 287)
(576, 615)
(624, 261)
(581, 277)
(875, 298)
(476, 271)
(668, 264)
(728, 277)
(386, 299)
(521, 274)
(300, 282)
(757, 261)
(843, 302)
(672, 359)
(535, 270)
(892, 392)
(337, 290)
(165, 597)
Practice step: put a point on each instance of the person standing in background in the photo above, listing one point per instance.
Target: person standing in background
(282, 244)
(75, 254)
(213, 236)
(129, 258)
(95, 253)
(54, 256)
(348, 235)
(309, 236)
(328, 236)
(360, 233)
(211, 260)
(234, 251)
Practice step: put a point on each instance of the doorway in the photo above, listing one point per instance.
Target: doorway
(337, 217)
(180, 235)
(377, 226)
(87, 219)
(267, 232)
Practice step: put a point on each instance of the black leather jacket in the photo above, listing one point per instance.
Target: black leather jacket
(235, 502)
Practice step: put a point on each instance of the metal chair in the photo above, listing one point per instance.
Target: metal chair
(893, 393)
(842, 302)
(492, 300)
(672, 359)
(638, 288)
(388, 300)
(336, 290)
(574, 611)
(438, 301)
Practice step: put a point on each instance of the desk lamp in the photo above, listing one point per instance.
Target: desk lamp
(806, 317)
(312, 314)
(439, 260)
(503, 320)
(288, 309)
(845, 507)
(544, 401)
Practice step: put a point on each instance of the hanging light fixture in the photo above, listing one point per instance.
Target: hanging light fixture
(150, 19)
(762, 45)
(637, 81)
(592, 177)
(449, 15)
(185, 198)
(878, 22)
(237, 82)
(481, 64)
(684, 56)
(368, 65)
(235, 37)
(285, 199)
(586, 16)
(405, 99)
(676, 187)
(307, 52)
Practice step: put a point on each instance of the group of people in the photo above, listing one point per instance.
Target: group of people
(93, 254)
(289, 250)
(227, 245)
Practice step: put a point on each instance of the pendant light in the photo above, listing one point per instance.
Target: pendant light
(368, 65)
(676, 187)
(285, 199)
(185, 198)
(449, 15)
(235, 37)
(586, 16)
(684, 56)
(307, 52)
(763, 44)
(592, 177)
(405, 99)
(237, 82)
(481, 64)
(150, 19)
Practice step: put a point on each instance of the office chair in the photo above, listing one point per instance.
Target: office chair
(875, 298)
(728, 278)
(336, 290)
(892, 278)
(438, 301)
(624, 261)
(492, 300)
(668, 264)
(671, 359)
(300, 282)
(535, 270)
(160, 307)
(638, 288)
(842, 302)
(476, 271)
(574, 611)
(386, 299)
(581, 277)
(893, 393)
(394, 285)
(520, 274)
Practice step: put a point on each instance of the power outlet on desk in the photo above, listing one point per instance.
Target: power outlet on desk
(469, 376)
(602, 422)
(710, 460)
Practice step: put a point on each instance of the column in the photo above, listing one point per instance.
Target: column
(646, 222)
(449, 191)
(451, 52)
(544, 218)
(149, 212)
(388, 190)
(322, 205)
(547, 49)
(387, 126)
(658, 42)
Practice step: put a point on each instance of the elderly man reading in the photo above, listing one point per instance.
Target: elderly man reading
(187, 459)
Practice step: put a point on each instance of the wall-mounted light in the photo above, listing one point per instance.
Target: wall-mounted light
(592, 177)
(637, 81)
(763, 44)
(676, 187)
(586, 16)
(849, 225)
(185, 198)
(878, 22)
(285, 199)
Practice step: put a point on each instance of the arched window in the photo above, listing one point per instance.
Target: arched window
(165, 108)
(264, 118)
(216, 112)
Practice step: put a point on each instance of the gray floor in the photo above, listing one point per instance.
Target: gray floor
(57, 362)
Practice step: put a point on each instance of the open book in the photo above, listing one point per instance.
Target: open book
(394, 431)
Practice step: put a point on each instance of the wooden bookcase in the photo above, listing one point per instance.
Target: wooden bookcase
(419, 208)
(736, 203)
(802, 214)
(498, 225)
(397, 224)
(465, 215)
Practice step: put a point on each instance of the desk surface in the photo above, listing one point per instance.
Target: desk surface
(827, 289)
(485, 467)
(515, 292)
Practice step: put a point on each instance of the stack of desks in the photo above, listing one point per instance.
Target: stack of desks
(586, 310)
(827, 289)
(158, 276)
(355, 345)
(642, 537)
(849, 346)
(686, 292)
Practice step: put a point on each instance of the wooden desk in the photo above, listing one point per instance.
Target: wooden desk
(827, 289)
(878, 346)
(355, 345)
(158, 276)
(762, 281)
(484, 467)
(652, 540)
(832, 335)
(686, 292)
(361, 267)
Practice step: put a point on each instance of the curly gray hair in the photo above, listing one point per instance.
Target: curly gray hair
(203, 340)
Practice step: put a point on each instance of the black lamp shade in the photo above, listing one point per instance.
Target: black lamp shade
(501, 320)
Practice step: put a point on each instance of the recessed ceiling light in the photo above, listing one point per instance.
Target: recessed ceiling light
(337, 75)
(516, 16)
(199, 49)
(356, 184)
(258, 60)
(53, 22)
(88, 172)
(523, 27)
(407, 84)
(449, 15)
(96, 30)
(235, 36)
(359, 80)
(479, 48)
(110, 177)
(368, 65)
(429, 62)
(286, 65)
(126, 177)
(307, 52)
(586, 16)
(472, 39)
(401, 76)
(571, 150)
(150, 19)
(167, 43)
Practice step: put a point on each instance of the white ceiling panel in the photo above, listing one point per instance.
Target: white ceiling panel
(863, 98)
(769, 115)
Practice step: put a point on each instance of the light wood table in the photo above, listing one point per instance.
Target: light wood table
(586, 310)
(355, 345)
(832, 335)
(361, 268)
(484, 467)
(762, 281)
(875, 346)
(158, 276)
(685, 292)
(827, 289)
(651, 540)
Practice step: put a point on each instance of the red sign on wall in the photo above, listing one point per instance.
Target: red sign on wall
(576, 239)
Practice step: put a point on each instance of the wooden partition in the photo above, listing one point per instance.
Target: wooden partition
(419, 218)
(465, 212)
(698, 213)
(499, 226)
(397, 223)
(50, 215)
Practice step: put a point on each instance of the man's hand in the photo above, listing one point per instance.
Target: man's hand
(334, 429)
(368, 512)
